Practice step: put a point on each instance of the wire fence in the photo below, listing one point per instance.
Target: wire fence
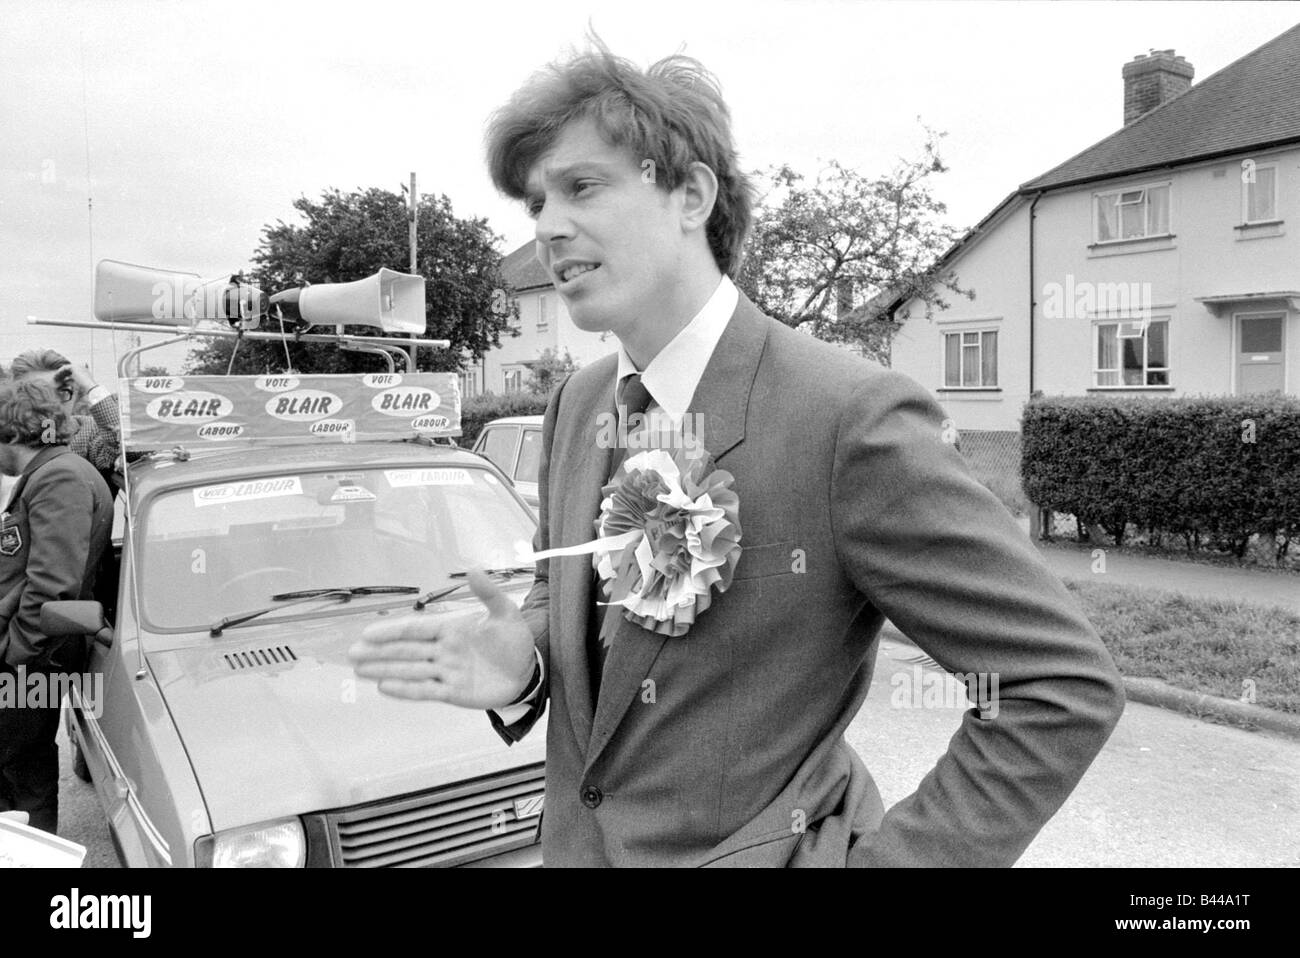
(993, 457)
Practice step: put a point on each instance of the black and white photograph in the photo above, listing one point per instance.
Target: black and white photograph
(791, 433)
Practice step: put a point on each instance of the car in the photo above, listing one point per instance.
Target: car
(230, 728)
(514, 445)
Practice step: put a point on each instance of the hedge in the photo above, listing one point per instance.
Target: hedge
(477, 411)
(1204, 468)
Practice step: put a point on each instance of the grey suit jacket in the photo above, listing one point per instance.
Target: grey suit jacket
(52, 535)
(726, 746)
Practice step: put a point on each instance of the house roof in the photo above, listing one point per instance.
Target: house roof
(522, 270)
(1251, 103)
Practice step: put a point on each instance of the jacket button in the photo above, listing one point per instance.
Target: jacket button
(592, 796)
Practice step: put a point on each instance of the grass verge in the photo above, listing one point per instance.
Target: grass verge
(1210, 646)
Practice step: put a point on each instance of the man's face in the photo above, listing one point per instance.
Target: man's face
(609, 238)
(67, 392)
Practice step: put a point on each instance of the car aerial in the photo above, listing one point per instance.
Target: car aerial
(514, 445)
(230, 728)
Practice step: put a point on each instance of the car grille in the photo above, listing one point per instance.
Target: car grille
(450, 826)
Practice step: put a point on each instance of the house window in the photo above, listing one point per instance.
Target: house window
(1132, 354)
(1132, 214)
(545, 311)
(513, 380)
(1259, 195)
(468, 383)
(970, 359)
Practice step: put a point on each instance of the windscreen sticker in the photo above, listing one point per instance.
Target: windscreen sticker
(249, 489)
(402, 478)
(352, 494)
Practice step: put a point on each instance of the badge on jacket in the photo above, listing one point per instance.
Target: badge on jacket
(11, 540)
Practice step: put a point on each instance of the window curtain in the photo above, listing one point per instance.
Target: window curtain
(1259, 196)
(1107, 221)
(1158, 210)
(952, 360)
(970, 363)
(1107, 355)
(989, 359)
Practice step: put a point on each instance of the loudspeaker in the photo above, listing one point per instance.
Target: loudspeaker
(140, 294)
(390, 300)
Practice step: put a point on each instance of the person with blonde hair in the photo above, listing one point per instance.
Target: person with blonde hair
(97, 433)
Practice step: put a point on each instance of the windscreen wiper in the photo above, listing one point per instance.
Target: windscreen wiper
(447, 590)
(306, 595)
(350, 590)
(505, 573)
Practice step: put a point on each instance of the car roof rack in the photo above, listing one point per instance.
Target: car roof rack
(384, 346)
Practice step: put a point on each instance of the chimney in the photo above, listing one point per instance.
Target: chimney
(1151, 79)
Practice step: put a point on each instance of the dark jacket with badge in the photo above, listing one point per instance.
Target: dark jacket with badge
(52, 534)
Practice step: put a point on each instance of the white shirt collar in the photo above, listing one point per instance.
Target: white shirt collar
(673, 375)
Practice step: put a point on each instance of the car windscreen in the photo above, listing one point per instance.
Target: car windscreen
(226, 547)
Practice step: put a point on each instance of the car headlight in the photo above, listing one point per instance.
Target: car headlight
(280, 844)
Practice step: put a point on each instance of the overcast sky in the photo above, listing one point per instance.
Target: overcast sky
(192, 125)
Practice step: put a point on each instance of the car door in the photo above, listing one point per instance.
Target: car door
(500, 444)
(527, 463)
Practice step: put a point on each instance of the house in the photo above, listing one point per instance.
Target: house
(543, 323)
(1163, 260)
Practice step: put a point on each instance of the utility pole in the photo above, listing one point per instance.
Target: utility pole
(415, 206)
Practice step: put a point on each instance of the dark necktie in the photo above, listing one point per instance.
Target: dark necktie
(602, 621)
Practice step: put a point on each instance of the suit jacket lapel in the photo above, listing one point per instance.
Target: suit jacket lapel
(721, 399)
(585, 476)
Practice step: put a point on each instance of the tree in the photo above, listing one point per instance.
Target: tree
(548, 370)
(349, 236)
(818, 248)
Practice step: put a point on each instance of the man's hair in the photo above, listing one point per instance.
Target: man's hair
(36, 361)
(32, 415)
(672, 114)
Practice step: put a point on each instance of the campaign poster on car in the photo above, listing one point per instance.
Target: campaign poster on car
(164, 411)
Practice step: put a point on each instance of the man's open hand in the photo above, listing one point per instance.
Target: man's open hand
(480, 662)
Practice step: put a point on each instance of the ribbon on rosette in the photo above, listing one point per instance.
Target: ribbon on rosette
(667, 537)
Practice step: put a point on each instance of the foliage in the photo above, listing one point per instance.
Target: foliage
(549, 370)
(846, 238)
(477, 411)
(349, 236)
(1213, 470)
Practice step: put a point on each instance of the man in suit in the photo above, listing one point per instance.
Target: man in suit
(52, 533)
(725, 746)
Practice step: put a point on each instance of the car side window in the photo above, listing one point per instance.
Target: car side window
(499, 447)
(530, 456)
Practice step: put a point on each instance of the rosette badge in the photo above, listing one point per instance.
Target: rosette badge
(668, 536)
